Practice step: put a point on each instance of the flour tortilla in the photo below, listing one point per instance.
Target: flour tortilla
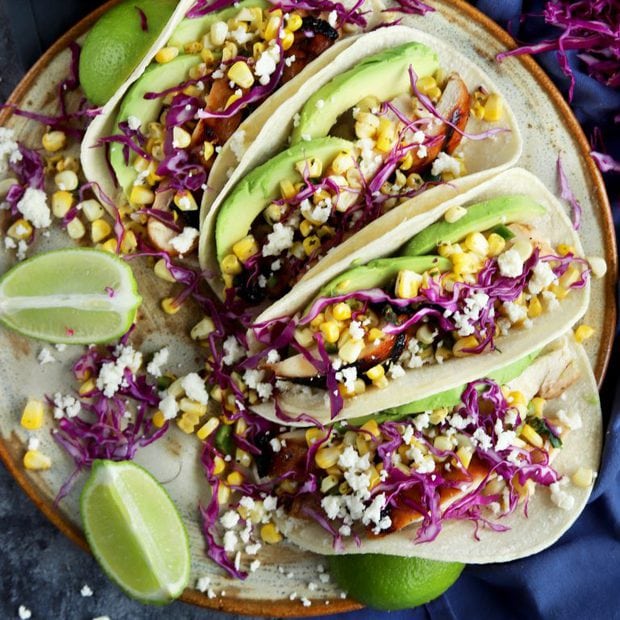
(554, 226)
(483, 158)
(545, 522)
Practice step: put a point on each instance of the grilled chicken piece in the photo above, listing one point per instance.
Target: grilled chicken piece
(390, 348)
(159, 234)
(291, 457)
(296, 367)
(454, 105)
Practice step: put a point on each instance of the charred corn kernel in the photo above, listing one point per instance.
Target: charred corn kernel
(328, 483)
(446, 249)
(327, 457)
(287, 189)
(569, 277)
(87, 387)
(330, 331)
(188, 405)
(20, 229)
(583, 332)
(534, 308)
(425, 334)
(350, 351)
(158, 419)
(375, 334)
(371, 427)
(273, 213)
(100, 230)
(407, 284)
(493, 108)
(245, 248)
(36, 461)
(305, 228)
(257, 49)
(162, 272)
(219, 465)
(342, 162)
(166, 54)
(311, 167)
(311, 244)
(531, 436)
(313, 435)
(304, 337)
(54, 141)
(241, 74)
(386, 136)
(464, 453)
(426, 83)
(460, 346)
(342, 311)
(367, 125)
(583, 477)
(598, 266)
(223, 494)
(476, 242)
(66, 180)
(32, 415)
(287, 40)
(234, 478)
(75, 228)
(496, 244)
(168, 305)
(91, 209)
(206, 54)
(294, 22)
(230, 264)
(538, 406)
(454, 214)
(195, 47)
(243, 458)
(270, 534)
(376, 372)
(464, 263)
(181, 138)
(442, 443)
(272, 27)
(216, 394)
(141, 195)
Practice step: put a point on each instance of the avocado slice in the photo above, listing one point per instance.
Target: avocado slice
(447, 398)
(479, 217)
(190, 30)
(383, 76)
(379, 272)
(249, 197)
(156, 78)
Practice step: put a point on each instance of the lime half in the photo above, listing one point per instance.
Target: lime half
(135, 532)
(74, 296)
(389, 582)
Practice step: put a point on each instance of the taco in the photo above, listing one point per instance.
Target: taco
(397, 122)
(478, 281)
(182, 122)
(458, 477)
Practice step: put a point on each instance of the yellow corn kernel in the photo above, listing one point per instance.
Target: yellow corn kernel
(426, 83)
(328, 483)
(62, 201)
(158, 419)
(66, 180)
(305, 228)
(407, 284)
(330, 331)
(273, 213)
(569, 277)
(257, 49)
(531, 436)
(464, 263)
(192, 406)
(288, 486)
(371, 427)
(20, 229)
(496, 244)
(32, 416)
(304, 337)
(230, 264)
(524, 490)
(311, 244)
(438, 415)
(166, 54)
(218, 33)
(342, 311)
(109, 246)
(376, 373)
(327, 457)
(313, 435)
(270, 534)
(141, 195)
(583, 477)
(91, 209)
(311, 167)
(245, 248)
(272, 27)
(538, 406)
(477, 109)
(447, 249)
(454, 214)
(181, 138)
(342, 162)
(464, 454)
(223, 494)
(559, 291)
(534, 308)
(469, 342)
(493, 108)
(375, 334)
(219, 465)
(477, 243)
(75, 228)
(207, 150)
(434, 94)
(317, 320)
(241, 74)
(186, 425)
(386, 136)
(234, 478)
(87, 387)
(54, 141)
(36, 461)
(243, 458)
(294, 22)
(236, 95)
(583, 332)
(168, 305)
(202, 329)
(287, 189)
(162, 272)
(516, 398)
(350, 351)
(100, 230)
(360, 387)
(442, 443)
(287, 40)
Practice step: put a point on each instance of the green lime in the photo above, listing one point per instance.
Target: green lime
(117, 43)
(390, 582)
(135, 531)
(72, 296)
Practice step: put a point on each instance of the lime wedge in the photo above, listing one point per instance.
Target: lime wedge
(389, 582)
(135, 532)
(72, 296)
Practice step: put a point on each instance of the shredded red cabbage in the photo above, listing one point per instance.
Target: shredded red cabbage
(606, 163)
(410, 7)
(144, 21)
(567, 194)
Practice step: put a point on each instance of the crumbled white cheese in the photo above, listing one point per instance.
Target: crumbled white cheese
(319, 213)
(86, 591)
(279, 240)
(356, 330)
(332, 19)
(203, 583)
(45, 357)
(112, 374)
(33, 443)
(183, 243)
(550, 300)
(24, 613)
(560, 497)
(229, 519)
(134, 123)
(233, 351)
(9, 149)
(276, 445)
(169, 407)
(510, 263)
(194, 387)
(66, 406)
(396, 371)
(482, 439)
(542, 277)
(159, 359)
(515, 312)
(33, 206)
(273, 357)
(254, 566)
(571, 419)
(445, 163)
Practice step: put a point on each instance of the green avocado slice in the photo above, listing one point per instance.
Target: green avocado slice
(190, 30)
(380, 272)
(448, 398)
(249, 197)
(156, 78)
(383, 76)
(479, 217)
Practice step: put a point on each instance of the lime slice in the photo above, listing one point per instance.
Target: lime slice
(117, 43)
(72, 296)
(135, 531)
(389, 582)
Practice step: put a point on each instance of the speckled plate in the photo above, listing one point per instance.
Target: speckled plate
(548, 128)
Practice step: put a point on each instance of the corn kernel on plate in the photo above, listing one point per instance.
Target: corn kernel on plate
(31, 371)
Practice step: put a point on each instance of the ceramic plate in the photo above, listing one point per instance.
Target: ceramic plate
(548, 128)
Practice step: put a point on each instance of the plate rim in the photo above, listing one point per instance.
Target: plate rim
(286, 608)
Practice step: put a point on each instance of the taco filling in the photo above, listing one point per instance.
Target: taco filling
(355, 157)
